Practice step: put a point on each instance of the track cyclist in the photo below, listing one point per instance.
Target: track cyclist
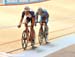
(43, 20)
(30, 17)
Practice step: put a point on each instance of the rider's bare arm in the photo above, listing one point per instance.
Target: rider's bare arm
(45, 17)
(33, 21)
(21, 19)
(23, 13)
(36, 17)
(47, 14)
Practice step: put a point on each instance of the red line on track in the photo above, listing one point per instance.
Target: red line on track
(49, 32)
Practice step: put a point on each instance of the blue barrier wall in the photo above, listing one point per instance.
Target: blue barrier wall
(1, 1)
(20, 1)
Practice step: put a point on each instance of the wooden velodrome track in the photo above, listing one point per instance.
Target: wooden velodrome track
(61, 22)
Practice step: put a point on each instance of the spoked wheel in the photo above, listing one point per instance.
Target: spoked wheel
(40, 37)
(24, 40)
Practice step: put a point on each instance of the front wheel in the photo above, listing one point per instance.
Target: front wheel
(24, 40)
(40, 36)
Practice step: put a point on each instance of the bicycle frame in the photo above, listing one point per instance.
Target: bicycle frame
(42, 32)
(29, 37)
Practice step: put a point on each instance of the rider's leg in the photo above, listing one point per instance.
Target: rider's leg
(26, 25)
(46, 34)
(46, 31)
(41, 26)
(27, 30)
(46, 21)
(32, 43)
(32, 36)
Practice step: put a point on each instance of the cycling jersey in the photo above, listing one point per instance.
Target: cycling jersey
(29, 16)
(44, 15)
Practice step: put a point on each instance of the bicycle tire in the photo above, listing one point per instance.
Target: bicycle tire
(24, 40)
(40, 37)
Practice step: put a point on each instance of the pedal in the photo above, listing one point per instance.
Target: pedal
(47, 42)
(33, 47)
(25, 38)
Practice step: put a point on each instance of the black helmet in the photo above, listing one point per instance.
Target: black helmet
(40, 9)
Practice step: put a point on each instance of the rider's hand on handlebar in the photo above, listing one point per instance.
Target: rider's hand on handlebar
(19, 26)
(35, 24)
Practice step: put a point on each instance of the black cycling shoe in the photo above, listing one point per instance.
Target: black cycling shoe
(33, 47)
(47, 42)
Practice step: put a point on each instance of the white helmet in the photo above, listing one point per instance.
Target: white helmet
(27, 8)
